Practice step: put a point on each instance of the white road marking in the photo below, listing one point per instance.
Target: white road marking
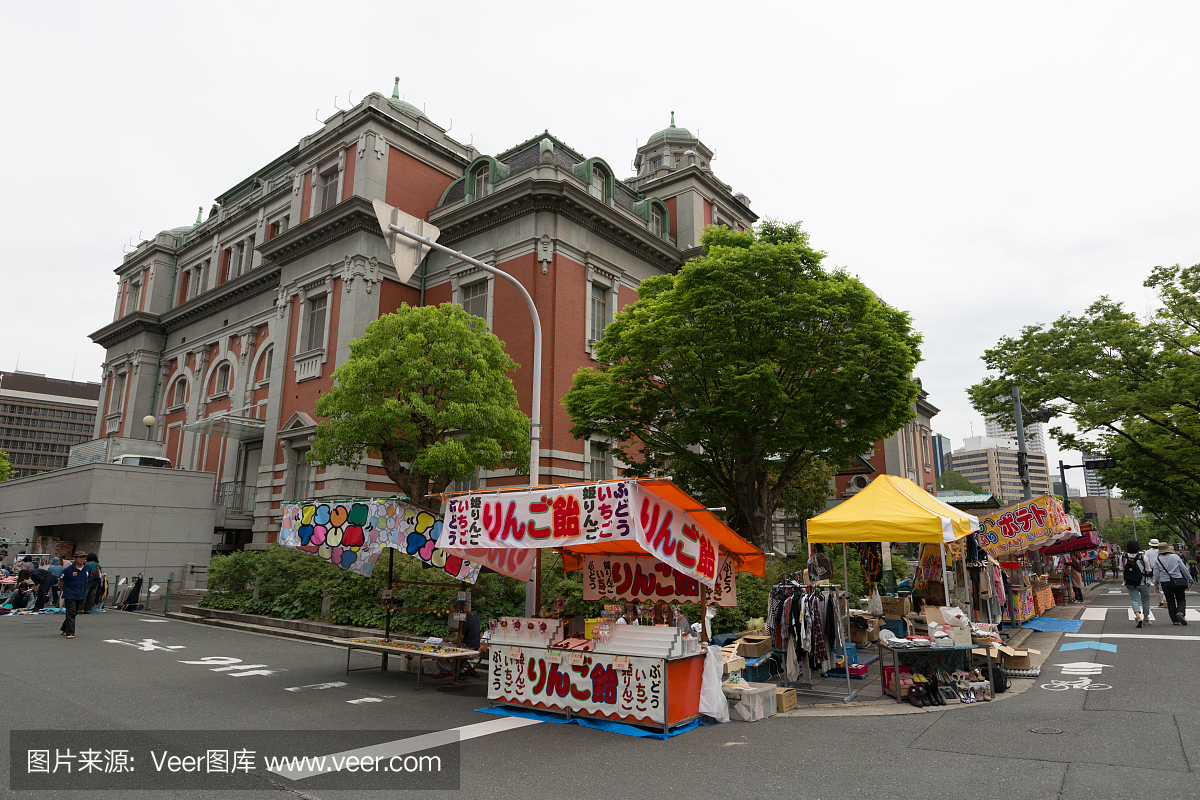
(1150, 614)
(1096, 613)
(333, 685)
(146, 645)
(414, 744)
(1134, 636)
(236, 666)
(143, 619)
(1083, 668)
(255, 672)
(365, 700)
(209, 661)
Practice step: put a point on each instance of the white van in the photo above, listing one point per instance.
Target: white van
(143, 461)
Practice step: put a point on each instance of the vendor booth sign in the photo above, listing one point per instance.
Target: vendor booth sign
(646, 580)
(353, 534)
(600, 684)
(1032, 523)
(583, 514)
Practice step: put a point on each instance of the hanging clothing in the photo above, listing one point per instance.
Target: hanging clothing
(870, 558)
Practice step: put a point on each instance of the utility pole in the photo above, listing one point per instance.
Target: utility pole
(1023, 465)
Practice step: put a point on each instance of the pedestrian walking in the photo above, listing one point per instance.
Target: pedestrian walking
(1195, 573)
(1076, 581)
(55, 570)
(93, 586)
(1137, 580)
(74, 584)
(1151, 555)
(1172, 575)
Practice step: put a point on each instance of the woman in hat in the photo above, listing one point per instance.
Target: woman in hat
(1172, 575)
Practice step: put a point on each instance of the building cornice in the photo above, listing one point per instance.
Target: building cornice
(256, 281)
(127, 326)
(519, 198)
(347, 217)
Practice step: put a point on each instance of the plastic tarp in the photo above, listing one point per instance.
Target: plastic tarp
(891, 509)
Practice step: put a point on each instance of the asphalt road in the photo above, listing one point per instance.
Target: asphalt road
(1141, 737)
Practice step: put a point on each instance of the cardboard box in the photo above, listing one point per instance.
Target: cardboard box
(753, 646)
(785, 699)
(860, 637)
(733, 661)
(1010, 658)
(896, 607)
(960, 636)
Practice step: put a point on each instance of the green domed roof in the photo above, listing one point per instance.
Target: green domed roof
(670, 133)
(400, 105)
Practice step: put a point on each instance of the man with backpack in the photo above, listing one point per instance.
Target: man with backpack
(1138, 580)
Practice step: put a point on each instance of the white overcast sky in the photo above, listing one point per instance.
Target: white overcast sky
(983, 166)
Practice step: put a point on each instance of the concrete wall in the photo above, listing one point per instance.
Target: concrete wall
(136, 519)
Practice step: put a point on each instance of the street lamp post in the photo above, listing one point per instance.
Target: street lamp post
(533, 588)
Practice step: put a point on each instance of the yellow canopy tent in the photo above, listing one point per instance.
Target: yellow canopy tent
(892, 509)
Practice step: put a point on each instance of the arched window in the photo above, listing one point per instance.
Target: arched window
(656, 221)
(264, 365)
(599, 187)
(220, 380)
(179, 393)
(480, 180)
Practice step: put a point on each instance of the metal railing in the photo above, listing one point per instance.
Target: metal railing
(236, 497)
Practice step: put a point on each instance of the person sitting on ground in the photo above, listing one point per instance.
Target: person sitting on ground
(467, 636)
(22, 595)
(1138, 578)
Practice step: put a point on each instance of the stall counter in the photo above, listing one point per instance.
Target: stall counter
(661, 692)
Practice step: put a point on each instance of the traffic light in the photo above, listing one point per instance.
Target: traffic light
(1100, 463)
(1022, 464)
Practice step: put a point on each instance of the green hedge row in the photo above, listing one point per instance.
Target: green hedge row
(292, 585)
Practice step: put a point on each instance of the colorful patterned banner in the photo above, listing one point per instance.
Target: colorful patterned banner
(1032, 523)
(352, 534)
(643, 580)
(581, 514)
(594, 685)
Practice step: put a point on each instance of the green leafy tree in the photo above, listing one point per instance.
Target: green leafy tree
(5, 466)
(739, 373)
(1130, 385)
(952, 481)
(427, 390)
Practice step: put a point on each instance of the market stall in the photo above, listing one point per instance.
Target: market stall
(894, 509)
(636, 540)
(1011, 536)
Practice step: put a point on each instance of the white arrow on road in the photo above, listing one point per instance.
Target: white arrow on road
(332, 685)
(1083, 668)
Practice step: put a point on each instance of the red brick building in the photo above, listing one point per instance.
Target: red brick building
(227, 331)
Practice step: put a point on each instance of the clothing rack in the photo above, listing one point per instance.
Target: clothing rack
(808, 687)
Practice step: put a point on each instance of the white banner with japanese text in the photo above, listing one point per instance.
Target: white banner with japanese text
(565, 516)
(634, 688)
(645, 580)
